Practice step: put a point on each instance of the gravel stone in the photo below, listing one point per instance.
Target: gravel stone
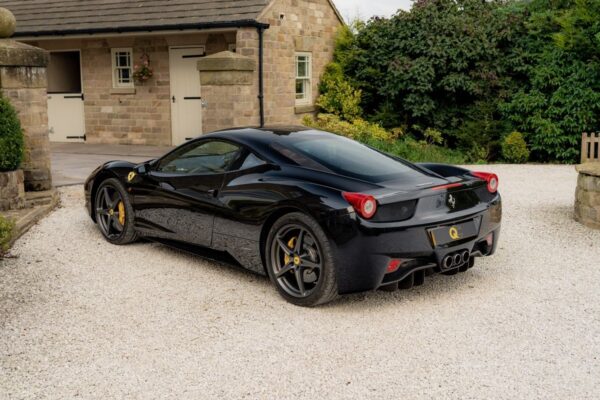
(80, 318)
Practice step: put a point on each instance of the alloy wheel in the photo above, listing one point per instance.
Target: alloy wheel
(110, 211)
(296, 260)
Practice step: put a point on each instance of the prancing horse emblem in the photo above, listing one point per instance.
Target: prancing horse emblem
(451, 201)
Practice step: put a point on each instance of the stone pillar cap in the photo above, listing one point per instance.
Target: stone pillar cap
(589, 168)
(8, 23)
(226, 61)
(17, 54)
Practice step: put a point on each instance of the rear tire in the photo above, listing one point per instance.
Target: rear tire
(300, 262)
(110, 202)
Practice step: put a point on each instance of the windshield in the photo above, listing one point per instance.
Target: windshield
(342, 156)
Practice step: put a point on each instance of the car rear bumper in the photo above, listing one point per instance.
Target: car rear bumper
(362, 260)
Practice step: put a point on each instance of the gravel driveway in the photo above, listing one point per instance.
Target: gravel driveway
(81, 318)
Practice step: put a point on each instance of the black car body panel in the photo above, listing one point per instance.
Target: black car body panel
(232, 210)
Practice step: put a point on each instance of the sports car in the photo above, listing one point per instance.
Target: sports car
(320, 214)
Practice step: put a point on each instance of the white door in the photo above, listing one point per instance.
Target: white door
(66, 118)
(186, 101)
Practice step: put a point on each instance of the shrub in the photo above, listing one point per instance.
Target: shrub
(359, 129)
(11, 137)
(514, 148)
(6, 231)
(337, 94)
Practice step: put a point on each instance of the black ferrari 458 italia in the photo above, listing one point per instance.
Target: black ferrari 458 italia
(320, 214)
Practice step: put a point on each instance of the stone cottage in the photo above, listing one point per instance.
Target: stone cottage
(211, 64)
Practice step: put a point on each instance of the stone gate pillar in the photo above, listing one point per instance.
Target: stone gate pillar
(23, 82)
(229, 91)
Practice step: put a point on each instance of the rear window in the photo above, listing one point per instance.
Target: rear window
(342, 156)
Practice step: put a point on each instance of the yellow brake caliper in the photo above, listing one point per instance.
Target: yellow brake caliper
(291, 244)
(121, 208)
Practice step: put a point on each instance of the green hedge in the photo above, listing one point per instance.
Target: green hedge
(11, 137)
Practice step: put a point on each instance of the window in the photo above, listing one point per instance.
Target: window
(303, 78)
(251, 161)
(122, 69)
(343, 156)
(203, 157)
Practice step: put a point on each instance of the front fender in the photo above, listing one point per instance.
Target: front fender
(110, 169)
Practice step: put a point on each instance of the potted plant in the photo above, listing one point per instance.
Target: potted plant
(142, 71)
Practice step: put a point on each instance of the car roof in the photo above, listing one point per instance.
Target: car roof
(260, 139)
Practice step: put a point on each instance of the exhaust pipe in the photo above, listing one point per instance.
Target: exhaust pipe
(448, 262)
(457, 259)
(465, 256)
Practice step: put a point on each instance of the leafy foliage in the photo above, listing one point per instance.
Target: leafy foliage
(11, 137)
(6, 231)
(514, 148)
(338, 97)
(475, 71)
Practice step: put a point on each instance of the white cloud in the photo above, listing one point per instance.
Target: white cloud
(365, 9)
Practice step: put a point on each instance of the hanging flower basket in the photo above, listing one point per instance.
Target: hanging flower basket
(142, 72)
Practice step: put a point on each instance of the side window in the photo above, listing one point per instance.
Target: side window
(204, 157)
(251, 161)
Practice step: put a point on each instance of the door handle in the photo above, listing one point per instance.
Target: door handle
(173, 99)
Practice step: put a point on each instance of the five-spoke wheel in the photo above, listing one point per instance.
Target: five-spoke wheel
(113, 212)
(299, 260)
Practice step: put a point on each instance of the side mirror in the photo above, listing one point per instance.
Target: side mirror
(144, 168)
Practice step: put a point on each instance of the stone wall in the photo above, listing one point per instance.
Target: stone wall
(295, 26)
(23, 82)
(131, 116)
(307, 26)
(587, 196)
(143, 116)
(12, 190)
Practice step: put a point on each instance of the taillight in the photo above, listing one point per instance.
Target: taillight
(364, 204)
(491, 179)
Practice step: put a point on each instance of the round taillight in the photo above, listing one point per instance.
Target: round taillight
(364, 204)
(369, 207)
(492, 184)
(491, 180)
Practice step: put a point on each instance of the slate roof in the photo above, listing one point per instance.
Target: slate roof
(63, 17)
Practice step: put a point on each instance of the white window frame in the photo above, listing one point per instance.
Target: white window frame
(307, 98)
(115, 68)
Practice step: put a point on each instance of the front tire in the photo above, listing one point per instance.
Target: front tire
(114, 213)
(300, 261)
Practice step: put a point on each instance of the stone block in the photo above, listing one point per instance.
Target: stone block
(12, 190)
(23, 77)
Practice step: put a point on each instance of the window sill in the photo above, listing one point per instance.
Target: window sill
(305, 109)
(122, 91)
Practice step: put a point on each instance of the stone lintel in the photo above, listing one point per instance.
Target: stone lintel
(17, 54)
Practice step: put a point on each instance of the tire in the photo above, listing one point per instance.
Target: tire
(103, 212)
(309, 250)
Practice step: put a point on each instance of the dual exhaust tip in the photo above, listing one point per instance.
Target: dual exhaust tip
(456, 259)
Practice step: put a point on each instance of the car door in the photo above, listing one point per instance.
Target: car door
(178, 197)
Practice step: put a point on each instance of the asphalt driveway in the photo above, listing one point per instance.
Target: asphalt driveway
(72, 163)
(80, 318)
